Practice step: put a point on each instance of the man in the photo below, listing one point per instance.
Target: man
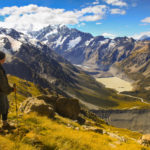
(5, 90)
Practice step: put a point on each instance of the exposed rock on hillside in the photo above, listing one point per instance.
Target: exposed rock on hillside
(35, 105)
(47, 105)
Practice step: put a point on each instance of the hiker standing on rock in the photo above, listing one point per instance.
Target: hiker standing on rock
(5, 90)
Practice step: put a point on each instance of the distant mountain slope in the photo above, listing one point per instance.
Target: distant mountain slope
(137, 67)
(82, 48)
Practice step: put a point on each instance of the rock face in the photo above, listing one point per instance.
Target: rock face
(68, 107)
(136, 120)
(39, 106)
(47, 105)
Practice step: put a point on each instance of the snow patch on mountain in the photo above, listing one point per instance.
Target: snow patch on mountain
(74, 42)
(60, 40)
(88, 42)
(104, 42)
(55, 31)
(15, 44)
(2, 44)
(1, 40)
(112, 44)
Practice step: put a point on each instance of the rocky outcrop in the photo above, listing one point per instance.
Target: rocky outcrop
(35, 105)
(47, 104)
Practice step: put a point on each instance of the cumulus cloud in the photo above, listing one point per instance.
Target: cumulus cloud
(146, 20)
(116, 3)
(118, 11)
(141, 35)
(112, 36)
(33, 17)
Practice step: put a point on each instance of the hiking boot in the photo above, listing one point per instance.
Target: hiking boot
(7, 126)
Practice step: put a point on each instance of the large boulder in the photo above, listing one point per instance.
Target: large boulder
(68, 107)
(33, 104)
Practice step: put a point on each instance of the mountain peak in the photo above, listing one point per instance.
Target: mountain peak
(11, 32)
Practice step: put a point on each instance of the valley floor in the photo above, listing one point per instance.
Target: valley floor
(116, 83)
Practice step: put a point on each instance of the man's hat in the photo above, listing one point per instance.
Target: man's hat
(2, 55)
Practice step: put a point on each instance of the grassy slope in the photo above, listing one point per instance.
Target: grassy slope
(40, 133)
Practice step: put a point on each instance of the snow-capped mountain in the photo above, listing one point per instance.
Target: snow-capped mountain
(11, 40)
(65, 41)
(145, 38)
(83, 48)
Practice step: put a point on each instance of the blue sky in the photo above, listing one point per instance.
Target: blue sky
(98, 17)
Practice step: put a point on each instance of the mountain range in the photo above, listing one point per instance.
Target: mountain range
(36, 57)
(83, 48)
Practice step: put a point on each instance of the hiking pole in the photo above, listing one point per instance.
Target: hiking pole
(16, 105)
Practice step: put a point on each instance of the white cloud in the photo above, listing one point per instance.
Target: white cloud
(116, 2)
(146, 20)
(99, 11)
(118, 11)
(112, 36)
(32, 17)
(141, 35)
(98, 23)
(96, 2)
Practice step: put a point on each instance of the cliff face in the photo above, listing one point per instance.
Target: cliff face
(136, 120)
